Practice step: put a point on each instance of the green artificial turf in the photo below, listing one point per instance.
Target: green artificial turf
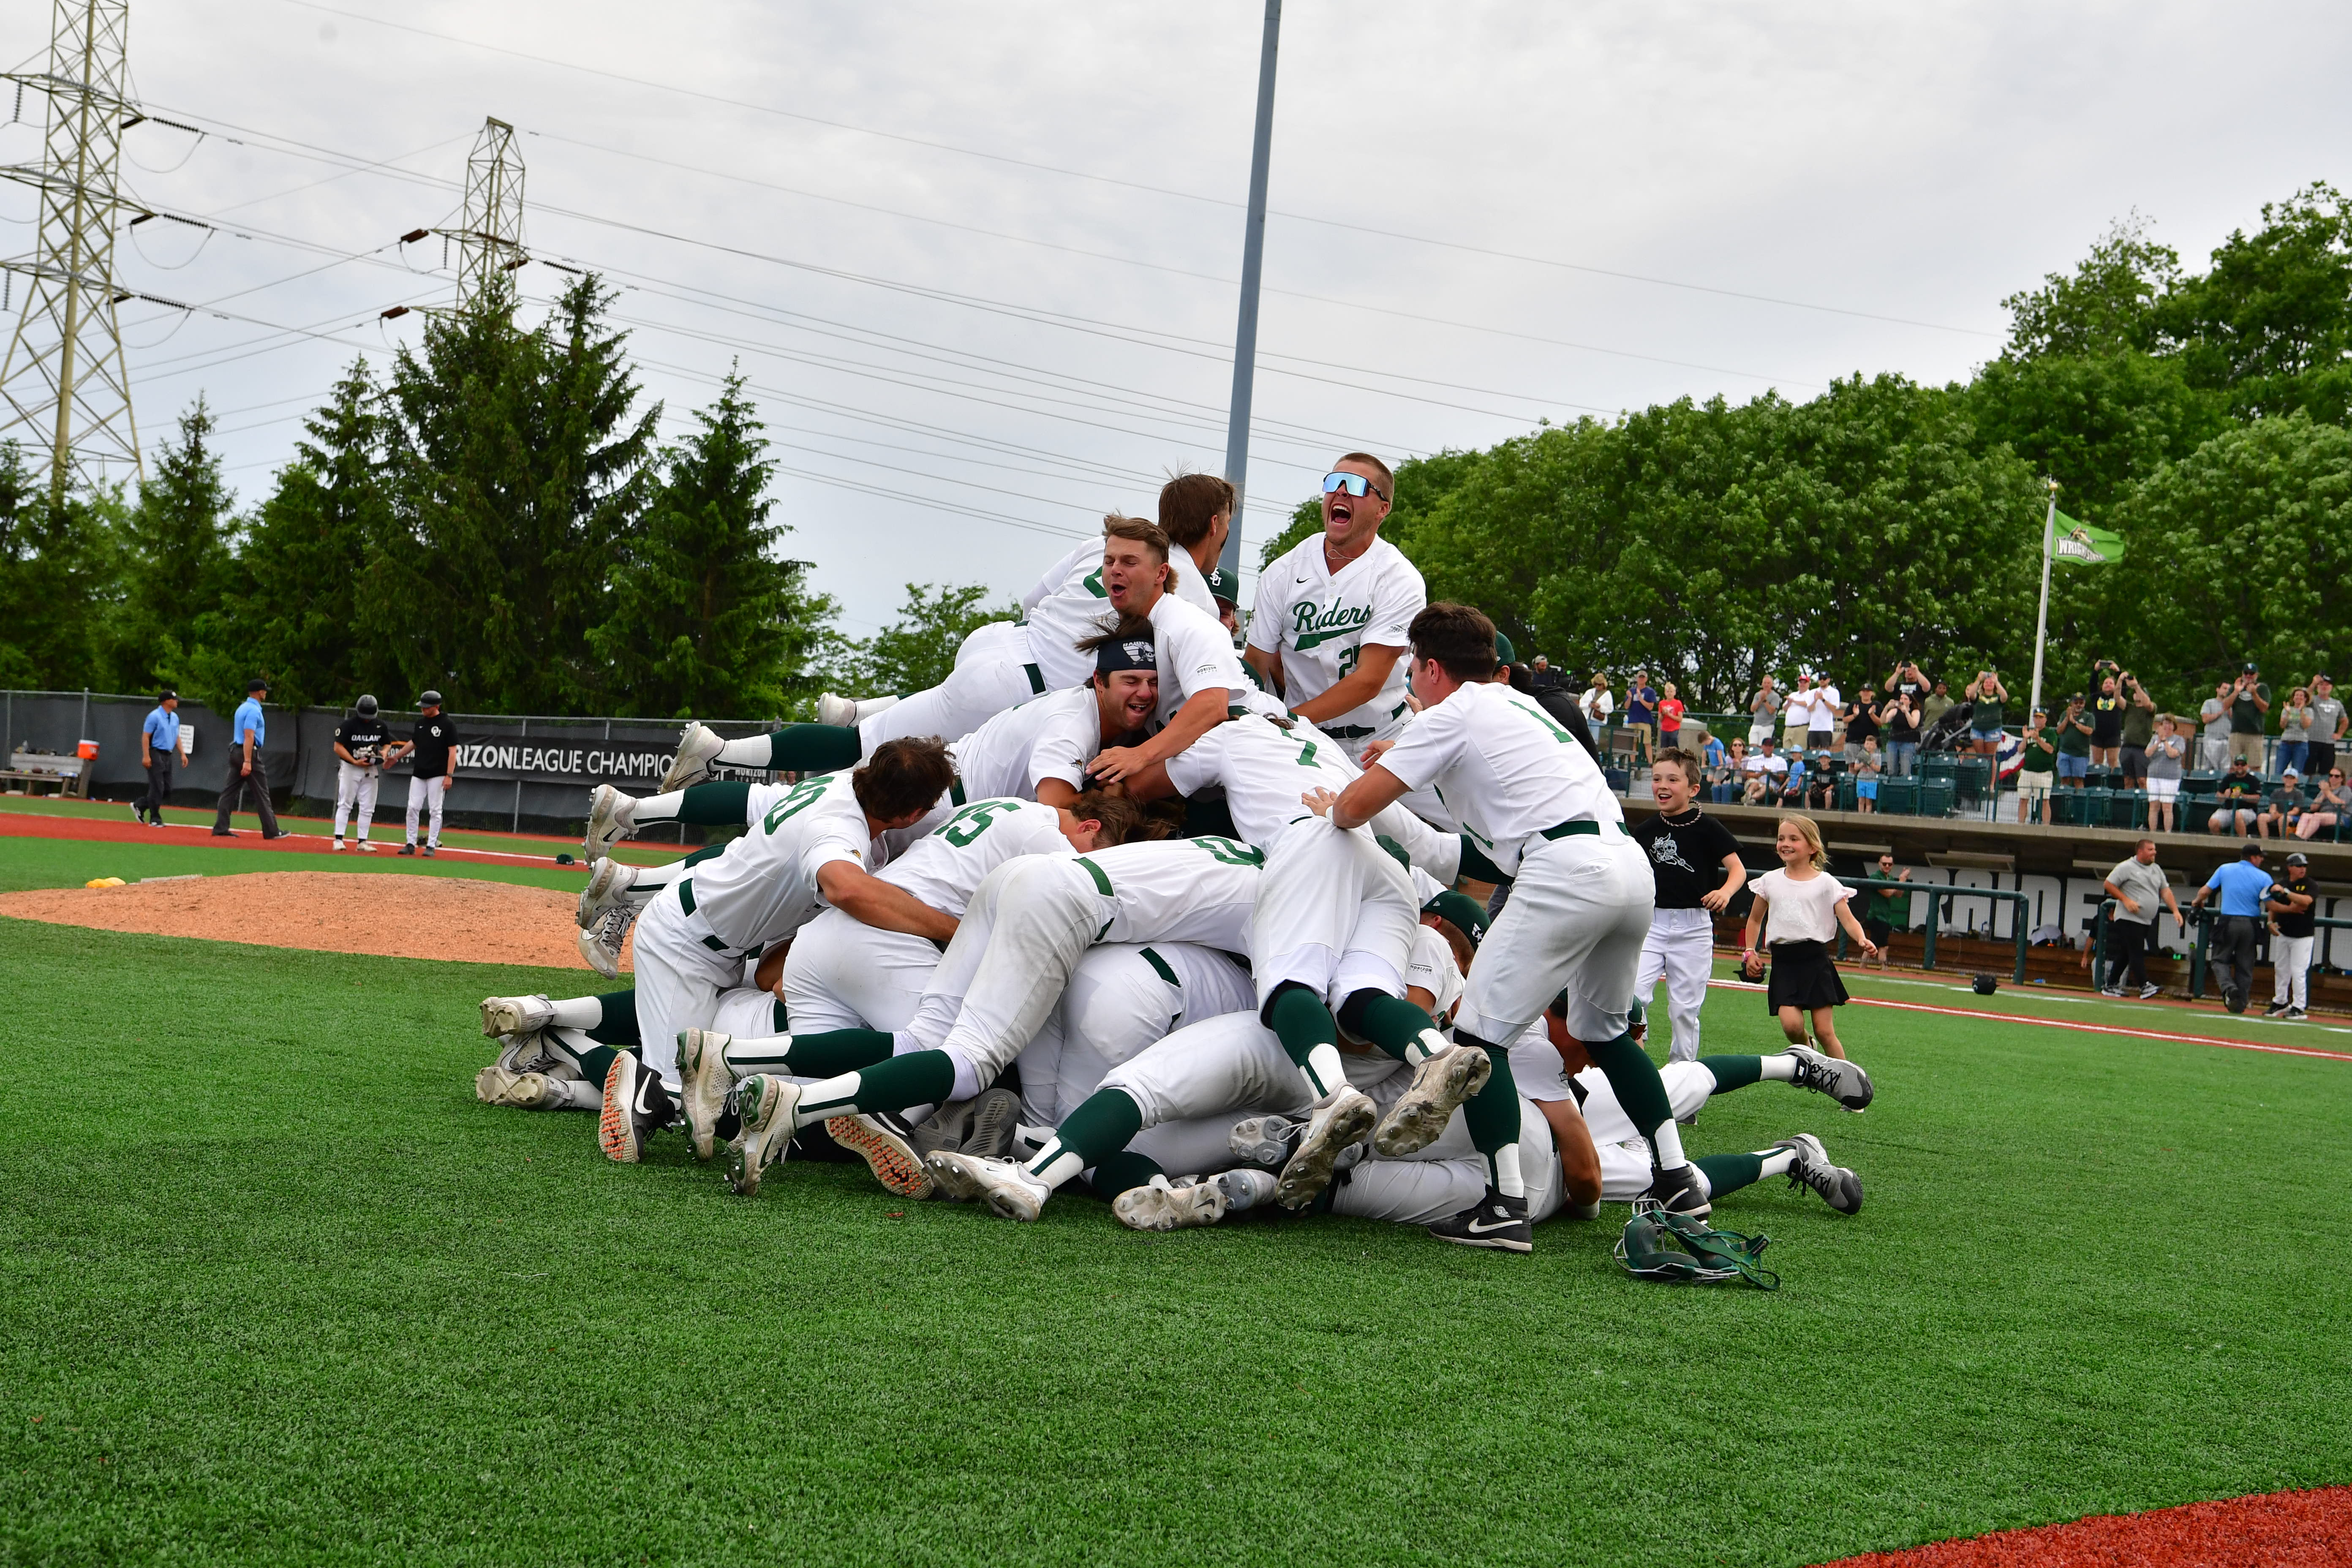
(277, 1289)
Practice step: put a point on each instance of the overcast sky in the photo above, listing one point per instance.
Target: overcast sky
(1797, 192)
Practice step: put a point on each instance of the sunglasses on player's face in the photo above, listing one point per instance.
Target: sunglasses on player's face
(1354, 484)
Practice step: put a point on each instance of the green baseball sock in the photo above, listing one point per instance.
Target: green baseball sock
(1392, 1022)
(618, 1026)
(796, 748)
(1124, 1170)
(1492, 1116)
(1308, 1034)
(594, 1064)
(1727, 1173)
(1734, 1072)
(828, 1053)
(919, 1078)
(725, 805)
(1633, 1077)
(1094, 1132)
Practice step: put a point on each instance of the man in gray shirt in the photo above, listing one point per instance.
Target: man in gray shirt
(2327, 728)
(2214, 754)
(2138, 887)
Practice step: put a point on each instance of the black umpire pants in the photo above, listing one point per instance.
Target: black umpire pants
(2233, 953)
(232, 795)
(159, 784)
(2128, 946)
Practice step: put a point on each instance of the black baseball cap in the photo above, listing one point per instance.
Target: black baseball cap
(256, 685)
(2253, 851)
(2252, 668)
(165, 695)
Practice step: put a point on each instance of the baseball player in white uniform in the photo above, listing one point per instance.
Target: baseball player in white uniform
(1696, 862)
(555, 1053)
(815, 843)
(1330, 626)
(1122, 998)
(1011, 958)
(1536, 806)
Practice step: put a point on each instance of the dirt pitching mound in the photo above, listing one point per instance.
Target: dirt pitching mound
(445, 918)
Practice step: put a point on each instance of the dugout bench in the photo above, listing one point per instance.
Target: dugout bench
(69, 776)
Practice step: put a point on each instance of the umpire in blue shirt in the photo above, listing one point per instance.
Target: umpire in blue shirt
(246, 733)
(159, 738)
(2242, 888)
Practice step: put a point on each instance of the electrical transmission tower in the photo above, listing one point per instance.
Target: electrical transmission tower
(489, 236)
(64, 375)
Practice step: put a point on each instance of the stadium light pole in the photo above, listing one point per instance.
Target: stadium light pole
(1237, 418)
(2041, 621)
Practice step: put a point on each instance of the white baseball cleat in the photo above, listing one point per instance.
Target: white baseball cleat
(1247, 1189)
(607, 890)
(698, 754)
(1440, 1084)
(612, 816)
(1009, 1190)
(703, 1081)
(600, 949)
(832, 709)
(767, 1105)
(540, 1091)
(1163, 1205)
(1341, 1119)
(516, 1014)
(365, 847)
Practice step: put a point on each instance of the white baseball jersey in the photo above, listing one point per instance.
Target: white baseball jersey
(763, 887)
(1317, 622)
(1069, 604)
(1195, 654)
(1049, 737)
(944, 867)
(1502, 768)
(1265, 770)
(1178, 889)
(1431, 966)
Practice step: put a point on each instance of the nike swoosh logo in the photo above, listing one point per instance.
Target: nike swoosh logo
(1479, 1228)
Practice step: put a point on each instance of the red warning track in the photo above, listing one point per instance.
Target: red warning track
(29, 825)
(2275, 1530)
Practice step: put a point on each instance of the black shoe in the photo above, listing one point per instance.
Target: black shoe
(1494, 1221)
(281, 832)
(224, 833)
(1681, 1191)
(2235, 1000)
(637, 1106)
(408, 849)
(429, 852)
(2275, 1010)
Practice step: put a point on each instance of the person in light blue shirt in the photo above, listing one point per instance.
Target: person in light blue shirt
(158, 738)
(245, 733)
(2242, 889)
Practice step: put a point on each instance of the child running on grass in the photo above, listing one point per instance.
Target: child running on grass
(1806, 906)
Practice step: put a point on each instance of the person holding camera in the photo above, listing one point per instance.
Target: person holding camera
(2106, 718)
(2074, 734)
(2295, 731)
(2249, 707)
(1902, 722)
(360, 742)
(2037, 770)
(2327, 726)
(1986, 693)
(2139, 730)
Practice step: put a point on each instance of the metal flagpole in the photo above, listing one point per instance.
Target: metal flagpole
(1237, 421)
(2042, 622)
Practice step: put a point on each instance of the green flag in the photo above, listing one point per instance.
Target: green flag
(2086, 545)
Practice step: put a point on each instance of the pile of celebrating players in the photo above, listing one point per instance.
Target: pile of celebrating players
(1115, 908)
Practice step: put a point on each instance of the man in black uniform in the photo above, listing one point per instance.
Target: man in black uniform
(432, 750)
(1696, 863)
(2292, 931)
(360, 740)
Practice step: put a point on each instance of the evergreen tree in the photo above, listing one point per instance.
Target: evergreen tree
(56, 568)
(176, 558)
(707, 618)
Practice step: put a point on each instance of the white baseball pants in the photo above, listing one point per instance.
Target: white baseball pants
(842, 974)
(994, 671)
(425, 795)
(1117, 1006)
(1680, 948)
(1193, 1084)
(747, 1011)
(1029, 923)
(680, 978)
(2291, 967)
(1577, 917)
(354, 786)
(1335, 913)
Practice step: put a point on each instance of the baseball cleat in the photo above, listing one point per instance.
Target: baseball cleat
(1494, 1221)
(1840, 1188)
(611, 818)
(523, 1055)
(600, 949)
(1341, 1118)
(2294, 1014)
(945, 1127)
(336, 848)
(994, 1116)
(1247, 1189)
(2275, 1010)
(1009, 1190)
(703, 1081)
(365, 847)
(1681, 1190)
(832, 709)
(698, 754)
(1440, 1084)
(2148, 990)
(431, 850)
(607, 890)
(407, 849)
(767, 1105)
(636, 1107)
(1270, 1140)
(540, 1091)
(1163, 1205)
(882, 1140)
(1843, 1082)
(516, 1014)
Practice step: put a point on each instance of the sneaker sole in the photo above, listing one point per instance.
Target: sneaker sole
(499, 1019)
(491, 1084)
(1419, 1116)
(1252, 1143)
(1309, 1171)
(890, 1158)
(615, 1130)
(951, 1178)
(998, 1114)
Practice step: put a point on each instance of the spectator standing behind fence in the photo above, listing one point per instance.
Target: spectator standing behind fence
(159, 738)
(1985, 695)
(2162, 761)
(1763, 712)
(2213, 739)
(2331, 806)
(1797, 717)
(2237, 800)
(1670, 719)
(359, 743)
(2106, 724)
(2073, 745)
(1543, 676)
(2295, 730)
(432, 750)
(1902, 721)
(2037, 770)
(2138, 887)
(1860, 717)
(2250, 706)
(2243, 892)
(1641, 712)
(2292, 928)
(1906, 681)
(2139, 729)
(1821, 728)
(247, 731)
(2327, 723)
(1867, 772)
(1597, 705)
(1936, 705)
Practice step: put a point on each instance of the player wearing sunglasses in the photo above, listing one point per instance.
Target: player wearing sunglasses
(1329, 631)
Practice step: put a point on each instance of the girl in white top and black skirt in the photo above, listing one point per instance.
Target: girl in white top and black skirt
(1805, 906)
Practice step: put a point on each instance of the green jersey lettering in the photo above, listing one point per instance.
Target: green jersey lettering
(972, 821)
(803, 795)
(1542, 718)
(1307, 755)
(1230, 852)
